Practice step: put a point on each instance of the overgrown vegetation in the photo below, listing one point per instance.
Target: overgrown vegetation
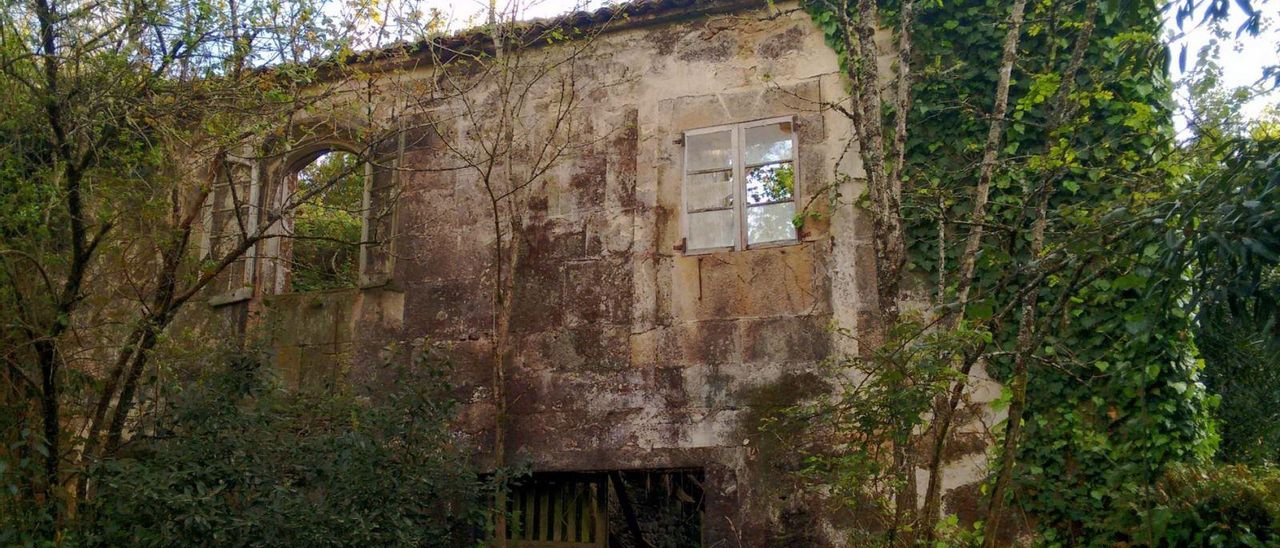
(1022, 173)
(879, 404)
(1223, 229)
(1231, 505)
(231, 459)
(120, 120)
(326, 230)
(1069, 246)
(132, 133)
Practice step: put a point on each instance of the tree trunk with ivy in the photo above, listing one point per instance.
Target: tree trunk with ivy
(882, 160)
(1011, 263)
(945, 412)
(884, 177)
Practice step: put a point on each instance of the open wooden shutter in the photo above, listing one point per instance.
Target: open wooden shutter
(382, 189)
(232, 213)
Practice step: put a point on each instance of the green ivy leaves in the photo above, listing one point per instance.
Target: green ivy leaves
(1112, 398)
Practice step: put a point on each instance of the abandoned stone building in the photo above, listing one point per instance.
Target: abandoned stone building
(663, 296)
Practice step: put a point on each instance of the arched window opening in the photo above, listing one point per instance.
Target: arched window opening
(328, 225)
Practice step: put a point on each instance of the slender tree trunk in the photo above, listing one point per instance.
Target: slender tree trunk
(502, 299)
(46, 353)
(148, 331)
(990, 154)
(46, 349)
(886, 192)
(1018, 385)
(501, 303)
(125, 405)
(133, 356)
(884, 186)
(968, 260)
(1028, 339)
(68, 167)
(98, 419)
(896, 255)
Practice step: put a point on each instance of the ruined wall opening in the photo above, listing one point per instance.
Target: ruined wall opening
(615, 509)
(327, 230)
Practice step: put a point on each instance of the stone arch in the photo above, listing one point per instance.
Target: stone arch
(291, 151)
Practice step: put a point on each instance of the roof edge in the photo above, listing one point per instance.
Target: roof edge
(610, 19)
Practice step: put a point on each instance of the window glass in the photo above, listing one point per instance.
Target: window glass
(709, 151)
(740, 183)
(709, 190)
(768, 143)
(712, 229)
(770, 183)
(771, 223)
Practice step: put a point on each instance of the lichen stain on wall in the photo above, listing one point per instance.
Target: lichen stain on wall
(627, 352)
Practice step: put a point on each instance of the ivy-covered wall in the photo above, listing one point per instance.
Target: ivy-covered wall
(1113, 396)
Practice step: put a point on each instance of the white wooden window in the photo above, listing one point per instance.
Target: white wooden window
(740, 185)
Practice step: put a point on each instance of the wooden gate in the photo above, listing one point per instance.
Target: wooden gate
(559, 510)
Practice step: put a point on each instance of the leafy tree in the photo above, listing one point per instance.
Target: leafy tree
(235, 460)
(120, 117)
(326, 230)
(1026, 196)
(1222, 230)
(1231, 242)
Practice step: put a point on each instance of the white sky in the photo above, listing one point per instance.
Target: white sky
(1242, 59)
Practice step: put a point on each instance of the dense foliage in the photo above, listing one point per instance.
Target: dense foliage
(326, 229)
(234, 460)
(1144, 239)
(119, 121)
(1114, 394)
(1224, 228)
(1231, 505)
(1240, 368)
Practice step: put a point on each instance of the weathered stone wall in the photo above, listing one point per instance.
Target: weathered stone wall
(627, 353)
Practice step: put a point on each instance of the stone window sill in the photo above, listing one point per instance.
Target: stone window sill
(231, 297)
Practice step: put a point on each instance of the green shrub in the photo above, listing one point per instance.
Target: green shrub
(1229, 505)
(240, 462)
(1242, 367)
(24, 521)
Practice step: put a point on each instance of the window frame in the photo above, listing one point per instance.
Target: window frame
(738, 171)
(364, 275)
(212, 235)
(365, 279)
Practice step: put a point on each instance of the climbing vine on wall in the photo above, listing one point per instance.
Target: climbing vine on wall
(1112, 395)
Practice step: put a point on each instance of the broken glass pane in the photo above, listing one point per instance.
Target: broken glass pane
(771, 223)
(709, 151)
(711, 229)
(769, 143)
(711, 190)
(770, 183)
